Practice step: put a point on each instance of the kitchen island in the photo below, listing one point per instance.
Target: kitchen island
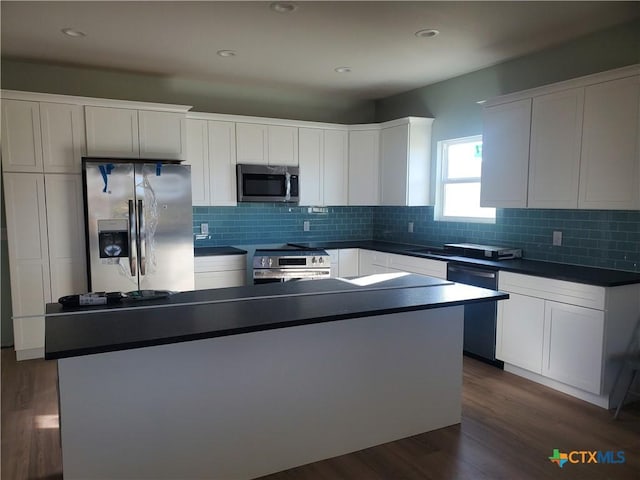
(241, 382)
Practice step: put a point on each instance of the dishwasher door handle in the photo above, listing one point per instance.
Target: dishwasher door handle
(472, 271)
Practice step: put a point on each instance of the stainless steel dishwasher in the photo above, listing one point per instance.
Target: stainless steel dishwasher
(479, 319)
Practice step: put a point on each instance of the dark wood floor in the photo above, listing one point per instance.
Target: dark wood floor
(509, 428)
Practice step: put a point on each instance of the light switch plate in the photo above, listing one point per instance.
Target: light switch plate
(557, 238)
(204, 228)
(306, 225)
(410, 229)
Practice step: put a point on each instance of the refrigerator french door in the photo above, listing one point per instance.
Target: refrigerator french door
(138, 219)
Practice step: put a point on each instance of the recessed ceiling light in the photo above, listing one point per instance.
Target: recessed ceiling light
(283, 7)
(73, 33)
(343, 69)
(226, 53)
(427, 33)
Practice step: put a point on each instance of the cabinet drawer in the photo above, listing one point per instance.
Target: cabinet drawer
(218, 263)
(580, 294)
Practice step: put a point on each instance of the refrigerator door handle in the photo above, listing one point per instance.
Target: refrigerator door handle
(142, 239)
(132, 236)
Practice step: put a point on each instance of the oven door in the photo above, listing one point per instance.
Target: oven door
(265, 183)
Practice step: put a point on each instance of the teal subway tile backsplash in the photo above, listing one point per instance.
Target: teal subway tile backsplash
(598, 238)
(259, 223)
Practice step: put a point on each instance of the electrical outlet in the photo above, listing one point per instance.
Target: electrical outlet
(410, 227)
(557, 238)
(204, 228)
(306, 225)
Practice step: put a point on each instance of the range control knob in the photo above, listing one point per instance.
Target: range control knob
(263, 262)
(270, 262)
(320, 260)
(313, 260)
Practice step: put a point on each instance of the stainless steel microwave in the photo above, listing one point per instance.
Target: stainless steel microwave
(267, 183)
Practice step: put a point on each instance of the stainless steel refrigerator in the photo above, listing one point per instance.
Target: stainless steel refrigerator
(138, 220)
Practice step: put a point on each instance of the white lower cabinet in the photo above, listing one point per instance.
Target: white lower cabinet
(220, 271)
(344, 262)
(573, 344)
(520, 330)
(372, 262)
(565, 335)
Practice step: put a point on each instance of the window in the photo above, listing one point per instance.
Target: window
(458, 186)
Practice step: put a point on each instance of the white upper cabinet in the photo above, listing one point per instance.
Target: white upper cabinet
(222, 163)
(505, 154)
(336, 168)
(212, 156)
(364, 167)
(282, 145)
(251, 144)
(129, 133)
(266, 144)
(63, 139)
(42, 137)
(610, 168)
(21, 136)
(162, 135)
(198, 158)
(405, 151)
(112, 132)
(573, 144)
(324, 166)
(554, 163)
(311, 156)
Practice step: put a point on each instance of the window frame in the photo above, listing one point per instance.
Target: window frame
(441, 181)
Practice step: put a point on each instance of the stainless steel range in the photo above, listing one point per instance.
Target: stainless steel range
(283, 265)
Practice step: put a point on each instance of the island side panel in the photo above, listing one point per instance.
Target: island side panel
(243, 406)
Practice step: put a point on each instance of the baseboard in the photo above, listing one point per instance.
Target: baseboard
(601, 401)
(30, 353)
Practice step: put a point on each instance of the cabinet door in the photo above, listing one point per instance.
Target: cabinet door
(311, 153)
(222, 163)
(573, 345)
(112, 132)
(62, 137)
(505, 154)
(520, 331)
(394, 145)
(28, 257)
(556, 135)
(282, 145)
(251, 144)
(21, 136)
(198, 158)
(334, 256)
(336, 168)
(610, 163)
(364, 167)
(65, 226)
(162, 135)
(223, 279)
(348, 262)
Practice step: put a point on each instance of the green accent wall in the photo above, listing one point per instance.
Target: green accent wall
(453, 102)
(231, 98)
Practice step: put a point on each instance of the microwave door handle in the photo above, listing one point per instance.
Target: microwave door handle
(287, 177)
(132, 236)
(142, 239)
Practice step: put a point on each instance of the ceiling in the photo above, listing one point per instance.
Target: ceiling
(300, 49)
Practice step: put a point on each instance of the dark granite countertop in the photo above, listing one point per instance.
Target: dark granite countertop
(188, 316)
(573, 273)
(213, 251)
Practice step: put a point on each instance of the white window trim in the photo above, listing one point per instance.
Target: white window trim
(437, 211)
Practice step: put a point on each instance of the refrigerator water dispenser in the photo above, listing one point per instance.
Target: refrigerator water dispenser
(113, 238)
